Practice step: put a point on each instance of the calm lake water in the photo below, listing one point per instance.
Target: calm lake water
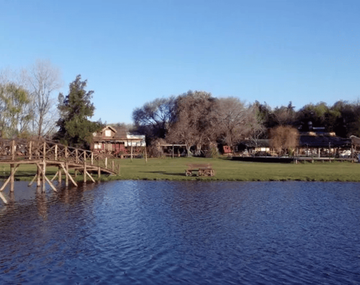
(151, 232)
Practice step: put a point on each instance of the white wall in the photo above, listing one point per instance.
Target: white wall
(141, 141)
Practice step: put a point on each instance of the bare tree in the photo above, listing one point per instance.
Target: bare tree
(154, 118)
(235, 120)
(195, 123)
(42, 80)
(284, 138)
(258, 129)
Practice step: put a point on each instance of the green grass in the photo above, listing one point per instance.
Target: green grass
(174, 169)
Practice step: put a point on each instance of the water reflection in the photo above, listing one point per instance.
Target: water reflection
(41, 203)
(137, 232)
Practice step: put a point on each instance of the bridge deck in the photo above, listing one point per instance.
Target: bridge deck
(47, 153)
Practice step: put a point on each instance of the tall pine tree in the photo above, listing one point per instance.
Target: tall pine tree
(75, 128)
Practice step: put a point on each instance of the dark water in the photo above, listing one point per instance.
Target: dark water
(142, 232)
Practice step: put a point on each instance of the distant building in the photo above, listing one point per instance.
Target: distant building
(316, 142)
(116, 141)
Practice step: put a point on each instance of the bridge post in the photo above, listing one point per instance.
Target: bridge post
(66, 176)
(38, 176)
(12, 178)
(76, 156)
(59, 175)
(30, 150)
(105, 162)
(13, 150)
(56, 152)
(84, 166)
(44, 167)
(92, 158)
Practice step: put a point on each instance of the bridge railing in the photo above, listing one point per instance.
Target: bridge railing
(23, 149)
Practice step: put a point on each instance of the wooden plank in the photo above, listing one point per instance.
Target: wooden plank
(32, 181)
(5, 183)
(13, 150)
(38, 184)
(68, 175)
(56, 174)
(3, 198)
(30, 150)
(12, 177)
(45, 178)
(88, 174)
(56, 152)
(85, 167)
(59, 171)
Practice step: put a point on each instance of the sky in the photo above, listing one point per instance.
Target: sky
(134, 51)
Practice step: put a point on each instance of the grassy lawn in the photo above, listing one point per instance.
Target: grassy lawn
(174, 169)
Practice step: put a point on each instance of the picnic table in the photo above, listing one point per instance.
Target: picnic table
(202, 169)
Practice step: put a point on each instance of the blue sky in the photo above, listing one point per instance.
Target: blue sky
(133, 51)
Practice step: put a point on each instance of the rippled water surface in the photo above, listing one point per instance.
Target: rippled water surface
(151, 232)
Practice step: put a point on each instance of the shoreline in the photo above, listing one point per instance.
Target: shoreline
(173, 169)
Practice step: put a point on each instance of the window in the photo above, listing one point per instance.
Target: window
(107, 133)
(97, 146)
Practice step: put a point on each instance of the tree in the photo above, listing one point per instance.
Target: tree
(258, 130)
(42, 80)
(284, 138)
(284, 115)
(154, 118)
(235, 121)
(75, 129)
(195, 120)
(15, 111)
(347, 119)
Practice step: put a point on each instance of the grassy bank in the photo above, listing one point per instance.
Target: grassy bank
(174, 169)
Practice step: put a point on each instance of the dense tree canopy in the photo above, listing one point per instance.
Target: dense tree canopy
(75, 128)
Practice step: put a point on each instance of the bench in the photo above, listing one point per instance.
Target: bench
(199, 170)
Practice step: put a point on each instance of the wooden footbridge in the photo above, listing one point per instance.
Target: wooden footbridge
(43, 154)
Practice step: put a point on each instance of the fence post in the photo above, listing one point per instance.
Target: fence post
(13, 149)
(84, 166)
(30, 150)
(56, 151)
(12, 178)
(44, 167)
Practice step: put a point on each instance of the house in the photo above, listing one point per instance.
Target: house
(313, 143)
(117, 141)
(254, 146)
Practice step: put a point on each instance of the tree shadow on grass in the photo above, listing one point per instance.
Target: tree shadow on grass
(165, 173)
